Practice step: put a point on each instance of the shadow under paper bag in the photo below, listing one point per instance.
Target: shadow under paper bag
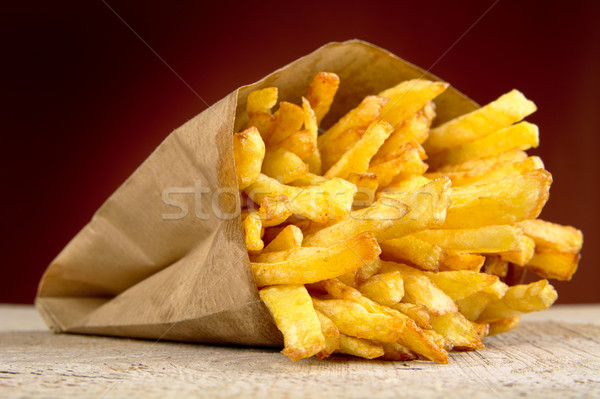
(131, 272)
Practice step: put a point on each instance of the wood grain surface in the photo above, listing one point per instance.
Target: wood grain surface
(544, 357)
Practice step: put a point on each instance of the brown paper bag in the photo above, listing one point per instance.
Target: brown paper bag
(164, 256)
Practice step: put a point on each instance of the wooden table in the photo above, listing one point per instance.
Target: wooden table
(553, 354)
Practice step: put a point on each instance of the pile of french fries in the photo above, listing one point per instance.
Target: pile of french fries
(382, 237)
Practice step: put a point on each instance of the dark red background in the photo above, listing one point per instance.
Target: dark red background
(84, 101)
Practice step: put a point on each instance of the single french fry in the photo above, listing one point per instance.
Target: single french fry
(507, 201)
(481, 240)
(420, 253)
(522, 253)
(318, 203)
(375, 218)
(248, 152)
(473, 305)
(253, 233)
(418, 313)
(408, 97)
(396, 351)
(422, 291)
(353, 319)
(283, 165)
(427, 207)
(521, 136)
(489, 174)
(321, 93)
(331, 335)
(359, 347)
(366, 187)
(302, 143)
(553, 236)
(386, 289)
(457, 331)
(357, 158)
(327, 263)
(462, 261)
(463, 283)
(274, 210)
(549, 263)
(519, 299)
(484, 163)
(294, 315)
(506, 110)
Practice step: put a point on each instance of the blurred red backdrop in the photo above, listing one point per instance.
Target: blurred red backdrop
(85, 100)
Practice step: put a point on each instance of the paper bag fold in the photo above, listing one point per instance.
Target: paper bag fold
(164, 256)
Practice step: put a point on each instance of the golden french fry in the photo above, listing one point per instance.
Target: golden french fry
(396, 351)
(423, 343)
(289, 238)
(331, 335)
(462, 261)
(375, 218)
(283, 165)
(366, 187)
(258, 107)
(408, 97)
(357, 158)
(418, 313)
(294, 315)
(318, 203)
(367, 271)
(309, 179)
(506, 110)
(507, 201)
(248, 152)
(324, 264)
(490, 173)
(357, 121)
(519, 299)
(405, 186)
(422, 291)
(473, 305)
(386, 289)
(522, 253)
(457, 331)
(420, 253)
(288, 119)
(503, 325)
(553, 236)
(487, 239)
(253, 233)
(484, 163)
(463, 283)
(427, 208)
(321, 93)
(521, 136)
(274, 210)
(302, 143)
(549, 263)
(353, 319)
(359, 347)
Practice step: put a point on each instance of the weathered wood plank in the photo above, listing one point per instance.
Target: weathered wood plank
(539, 359)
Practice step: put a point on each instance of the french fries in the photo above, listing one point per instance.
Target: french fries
(386, 238)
